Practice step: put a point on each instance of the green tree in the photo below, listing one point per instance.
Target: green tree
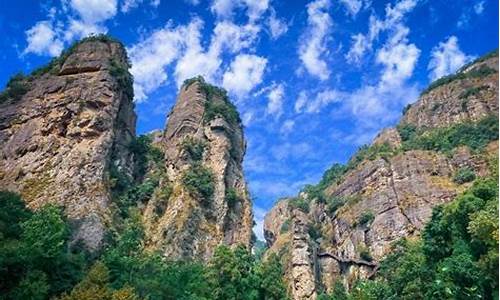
(271, 274)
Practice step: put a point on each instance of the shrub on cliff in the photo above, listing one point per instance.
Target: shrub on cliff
(456, 258)
(474, 135)
(16, 88)
(199, 182)
(194, 148)
(464, 175)
(300, 204)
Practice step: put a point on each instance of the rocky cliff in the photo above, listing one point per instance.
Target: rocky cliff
(62, 129)
(341, 228)
(202, 201)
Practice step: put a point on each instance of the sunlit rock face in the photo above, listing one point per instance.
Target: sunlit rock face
(204, 133)
(58, 141)
(386, 198)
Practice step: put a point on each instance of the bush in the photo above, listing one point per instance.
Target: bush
(406, 131)
(464, 175)
(314, 231)
(366, 217)
(16, 88)
(472, 91)
(123, 77)
(364, 253)
(300, 204)
(334, 203)
(285, 227)
(474, 135)
(199, 182)
(232, 197)
(194, 147)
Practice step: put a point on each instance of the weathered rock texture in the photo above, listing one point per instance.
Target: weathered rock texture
(181, 224)
(394, 195)
(59, 140)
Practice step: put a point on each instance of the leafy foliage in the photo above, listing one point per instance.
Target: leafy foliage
(16, 87)
(232, 197)
(194, 147)
(472, 91)
(334, 203)
(474, 135)
(464, 175)
(35, 259)
(299, 203)
(123, 77)
(366, 217)
(456, 258)
(199, 181)
(285, 227)
(406, 131)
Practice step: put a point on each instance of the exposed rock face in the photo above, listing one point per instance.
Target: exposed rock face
(58, 142)
(384, 199)
(469, 98)
(182, 224)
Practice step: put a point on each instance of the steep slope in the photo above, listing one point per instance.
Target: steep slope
(63, 128)
(340, 229)
(202, 201)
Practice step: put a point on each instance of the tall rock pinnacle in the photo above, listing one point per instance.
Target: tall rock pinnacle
(63, 127)
(204, 201)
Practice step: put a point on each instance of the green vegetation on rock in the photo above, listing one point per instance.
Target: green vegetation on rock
(16, 87)
(464, 175)
(456, 257)
(199, 181)
(194, 148)
(443, 139)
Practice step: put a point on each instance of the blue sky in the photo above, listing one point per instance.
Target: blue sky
(313, 80)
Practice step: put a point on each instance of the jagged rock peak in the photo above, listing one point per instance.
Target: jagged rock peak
(63, 127)
(207, 202)
(340, 229)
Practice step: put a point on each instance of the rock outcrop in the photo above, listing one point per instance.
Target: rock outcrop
(73, 123)
(207, 202)
(380, 200)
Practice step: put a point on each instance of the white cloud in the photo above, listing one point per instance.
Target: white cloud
(94, 11)
(312, 47)
(226, 36)
(479, 7)
(287, 126)
(322, 99)
(150, 57)
(362, 43)
(446, 58)
(352, 6)
(78, 29)
(255, 8)
(42, 40)
(246, 72)
(398, 57)
(277, 27)
(275, 103)
(128, 5)
(223, 8)
(259, 214)
(301, 101)
(314, 104)
(182, 45)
